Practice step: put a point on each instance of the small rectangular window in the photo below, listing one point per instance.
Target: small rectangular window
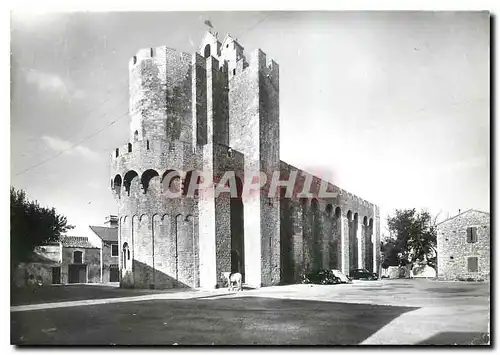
(472, 264)
(114, 249)
(471, 234)
(474, 234)
(77, 257)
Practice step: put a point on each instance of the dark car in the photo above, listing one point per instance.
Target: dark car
(321, 277)
(363, 274)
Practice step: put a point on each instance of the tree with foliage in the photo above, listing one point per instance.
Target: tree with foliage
(32, 225)
(413, 238)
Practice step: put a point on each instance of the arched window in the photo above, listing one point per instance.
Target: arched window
(129, 147)
(77, 257)
(127, 180)
(338, 212)
(146, 178)
(136, 136)
(329, 209)
(117, 152)
(314, 204)
(147, 144)
(117, 184)
(207, 51)
(125, 256)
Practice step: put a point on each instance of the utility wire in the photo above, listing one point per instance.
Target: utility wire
(97, 106)
(73, 146)
(106, 100)
(120, 103)
(254, 25)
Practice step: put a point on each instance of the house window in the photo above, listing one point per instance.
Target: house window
(472, 264)
(471, 234)
(114, 249)
(77, 257)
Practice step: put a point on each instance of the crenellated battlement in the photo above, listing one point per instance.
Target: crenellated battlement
(269, 69)
(160, 94)
(143, 54)
(159, 52)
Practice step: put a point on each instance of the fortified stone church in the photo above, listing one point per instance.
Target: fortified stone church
(215, 111)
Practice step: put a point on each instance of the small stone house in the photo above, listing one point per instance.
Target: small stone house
(71, 260)
(81, 261)
(40, 266)
(463, 244)
(108, 237)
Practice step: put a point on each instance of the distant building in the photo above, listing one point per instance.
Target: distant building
(109, 249)
(463, 245)
(72, 260)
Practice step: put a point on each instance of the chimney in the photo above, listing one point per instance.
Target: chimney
(111, 221)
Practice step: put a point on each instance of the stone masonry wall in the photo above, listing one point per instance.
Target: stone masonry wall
(322, 239)
(269, 150)
(244, 133)
(90, 257)
(454, 250)
(225, 161)
(160, 94)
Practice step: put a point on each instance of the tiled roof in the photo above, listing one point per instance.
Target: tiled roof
(107, 234)
(76, 242)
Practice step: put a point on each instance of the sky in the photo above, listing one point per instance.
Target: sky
(394, 105)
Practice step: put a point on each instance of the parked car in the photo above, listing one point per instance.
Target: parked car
(343, 278)
(362, 274)
(321, 277)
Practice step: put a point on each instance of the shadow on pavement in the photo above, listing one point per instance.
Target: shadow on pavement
(230, 321)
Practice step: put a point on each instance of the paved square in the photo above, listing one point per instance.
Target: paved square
(379, 312)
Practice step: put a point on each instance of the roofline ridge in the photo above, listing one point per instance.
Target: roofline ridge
(461, 213)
